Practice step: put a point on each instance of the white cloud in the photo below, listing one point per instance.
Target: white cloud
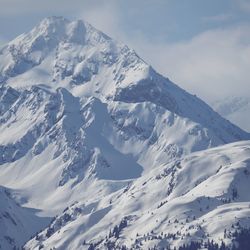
(213, 64)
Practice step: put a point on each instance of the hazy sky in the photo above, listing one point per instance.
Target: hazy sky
(202, 45)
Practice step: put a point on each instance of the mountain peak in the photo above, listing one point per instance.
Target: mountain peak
(62, 29)
(50, 37)
(54, 19)
(54, 30)
(75, 52)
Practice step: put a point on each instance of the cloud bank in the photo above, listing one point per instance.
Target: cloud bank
(213, 64)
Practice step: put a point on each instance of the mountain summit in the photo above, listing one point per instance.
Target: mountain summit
(84, 120)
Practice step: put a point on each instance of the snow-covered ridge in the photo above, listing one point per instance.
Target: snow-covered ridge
(83, 119)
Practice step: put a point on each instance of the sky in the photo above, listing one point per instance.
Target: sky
(202, 45)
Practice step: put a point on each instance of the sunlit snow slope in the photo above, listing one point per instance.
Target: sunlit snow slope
(82, 119)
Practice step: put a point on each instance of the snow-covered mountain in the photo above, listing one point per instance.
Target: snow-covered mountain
(85, 122)
(236, 110)
(195, 198)
(17, 224)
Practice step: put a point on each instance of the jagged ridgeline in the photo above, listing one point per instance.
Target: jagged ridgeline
(98, 150)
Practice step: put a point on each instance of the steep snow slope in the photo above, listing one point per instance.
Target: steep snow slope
(82, 117)
(57, 137)
(236, 110)
(17, 224)
(195, 198)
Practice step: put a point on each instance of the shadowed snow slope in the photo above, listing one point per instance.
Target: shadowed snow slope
(17, 224)
(84, 121)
